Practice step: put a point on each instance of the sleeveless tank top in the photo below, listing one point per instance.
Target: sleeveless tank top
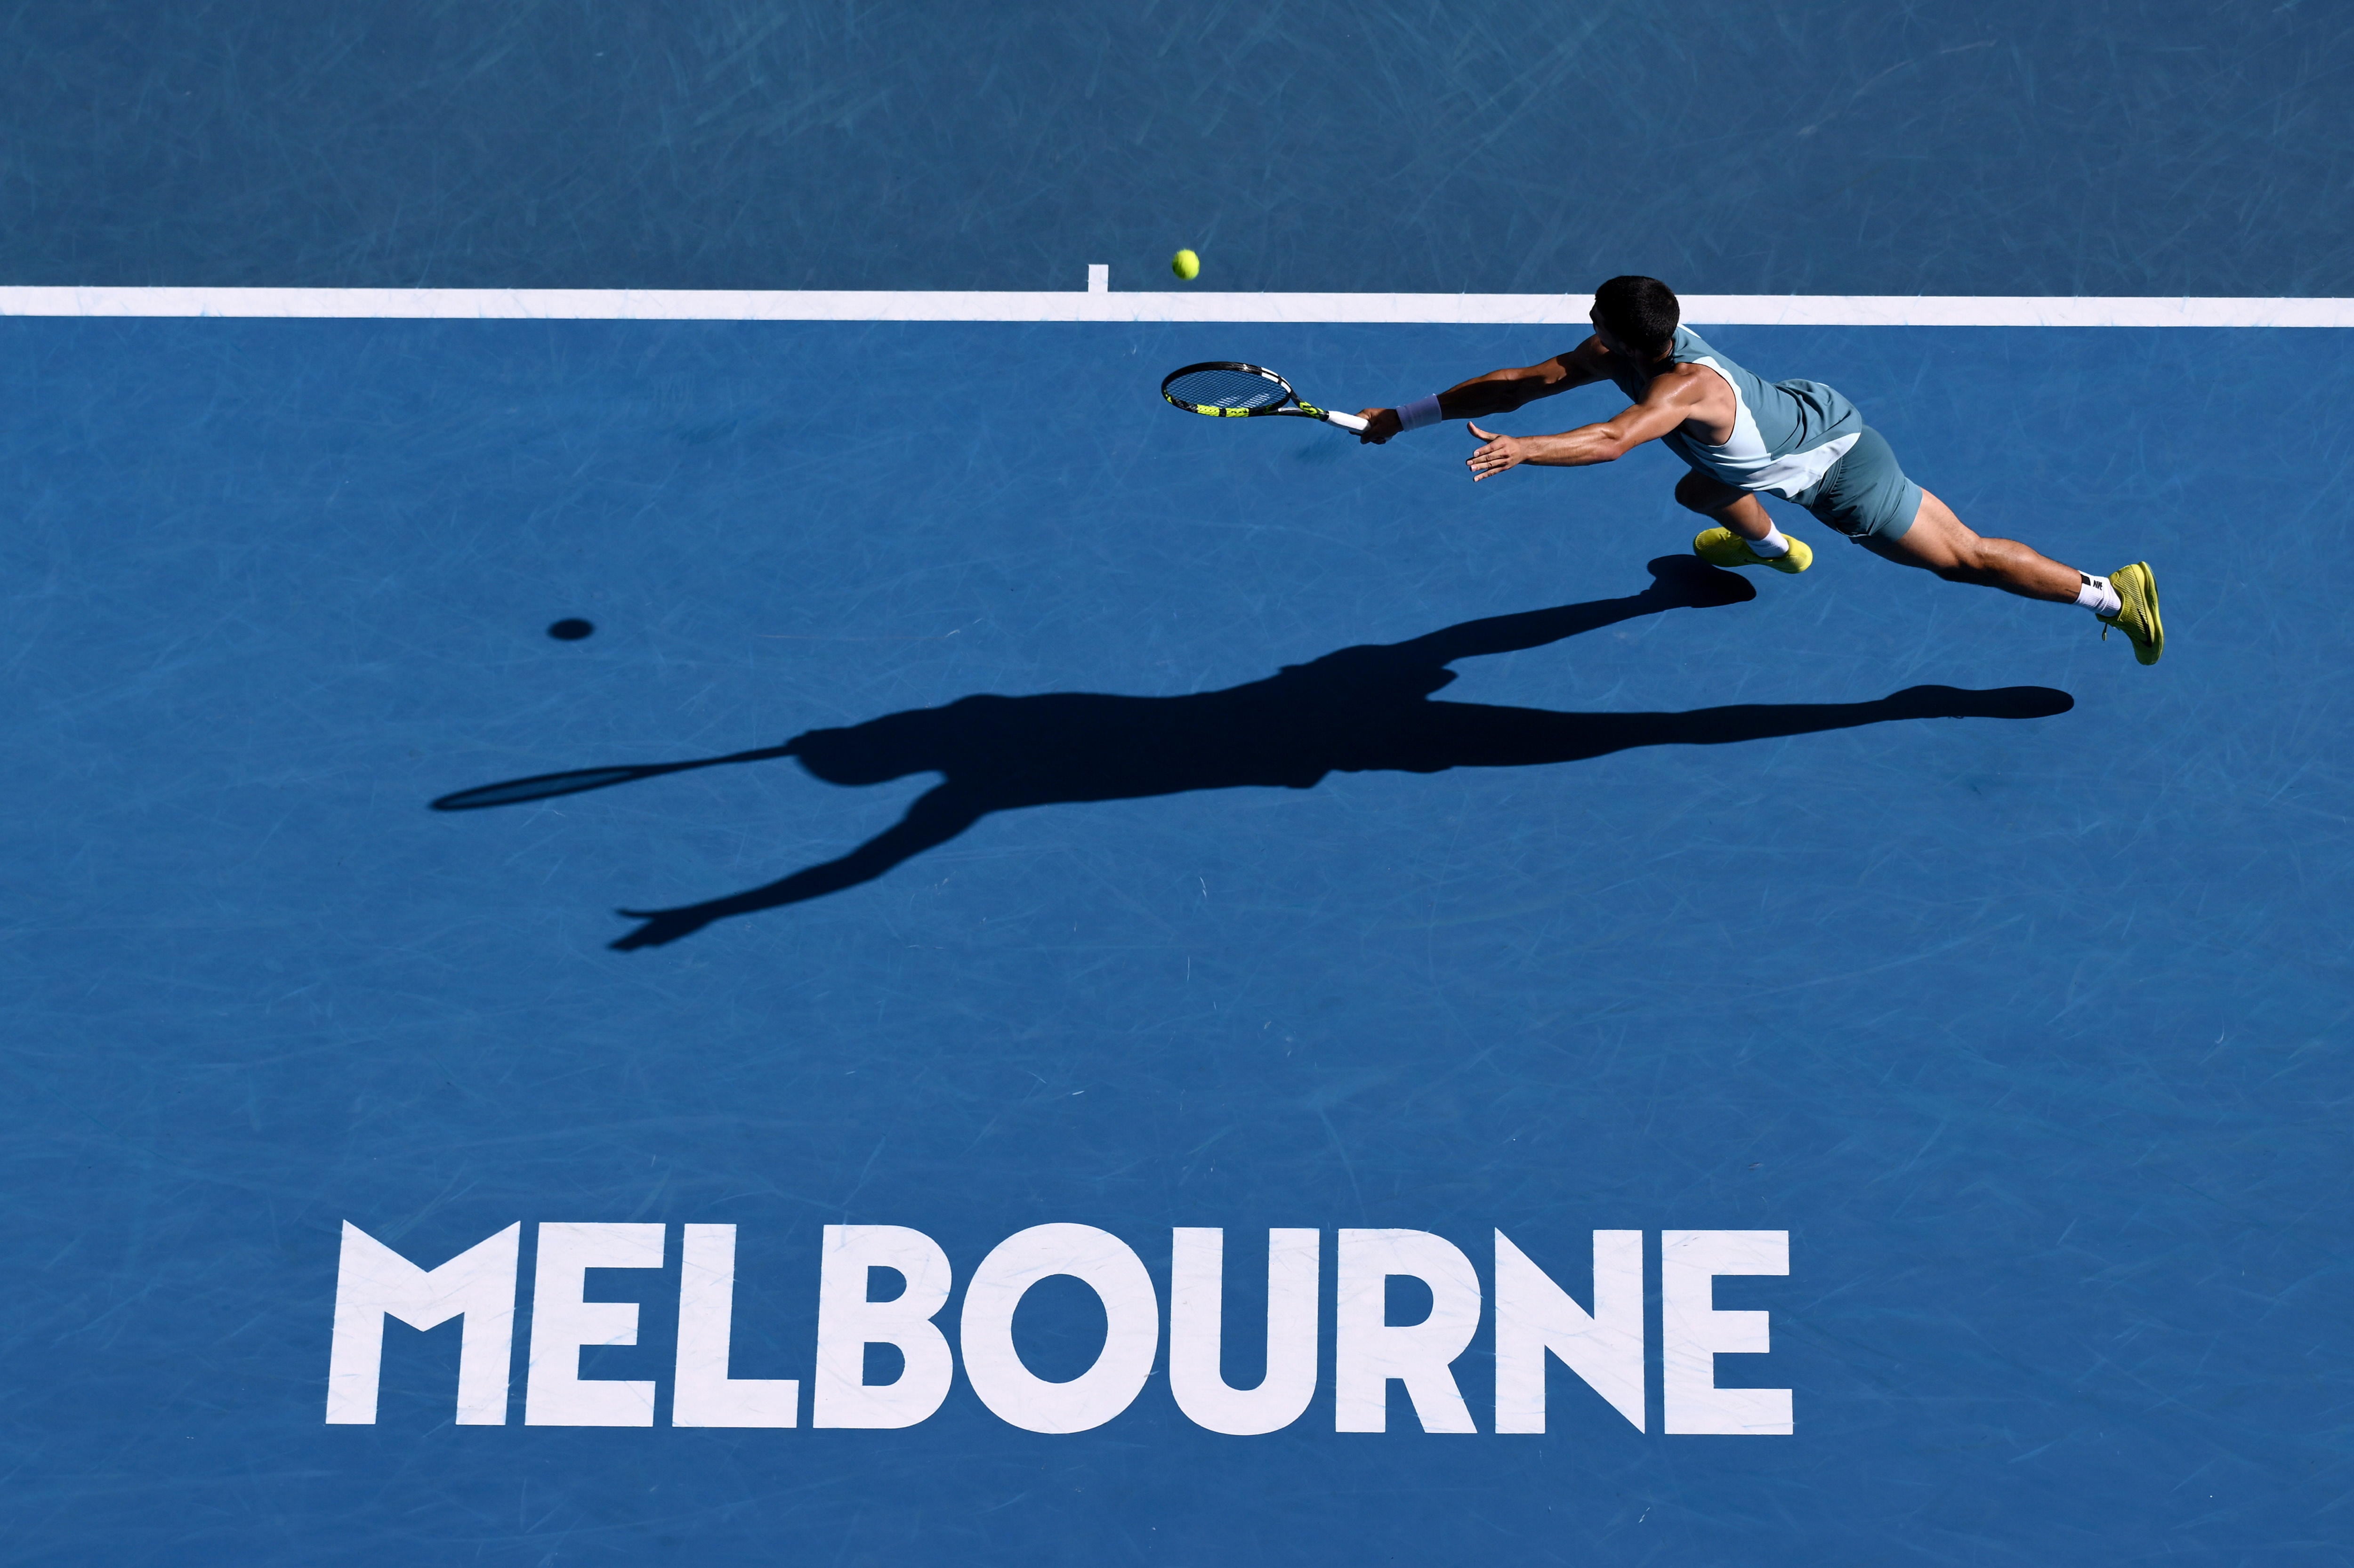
(1785, 434)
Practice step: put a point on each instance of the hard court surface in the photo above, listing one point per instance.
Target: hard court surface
(2023, 1012)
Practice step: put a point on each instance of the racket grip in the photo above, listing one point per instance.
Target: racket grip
(1346, 422)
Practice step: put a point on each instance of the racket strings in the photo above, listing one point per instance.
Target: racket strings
(1221, 388)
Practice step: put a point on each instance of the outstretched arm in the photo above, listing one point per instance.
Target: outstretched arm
(937, 815)
(1499, 391)
(1682, 394)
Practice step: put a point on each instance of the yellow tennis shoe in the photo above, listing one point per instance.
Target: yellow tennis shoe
(2137, 614)
(1723, 548)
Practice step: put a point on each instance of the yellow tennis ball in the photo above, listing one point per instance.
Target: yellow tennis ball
(1186, 265)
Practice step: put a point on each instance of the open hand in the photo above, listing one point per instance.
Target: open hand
(1380, 424)
(1499, 453)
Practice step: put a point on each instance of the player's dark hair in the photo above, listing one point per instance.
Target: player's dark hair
(1641, 312)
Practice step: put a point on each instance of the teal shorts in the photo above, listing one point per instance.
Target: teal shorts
(1865, 495)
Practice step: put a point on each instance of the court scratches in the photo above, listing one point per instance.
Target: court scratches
(1101, 304)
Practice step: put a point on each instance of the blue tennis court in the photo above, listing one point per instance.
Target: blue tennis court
(1686, 1067)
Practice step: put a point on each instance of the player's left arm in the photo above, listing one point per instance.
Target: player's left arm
(1672, 399)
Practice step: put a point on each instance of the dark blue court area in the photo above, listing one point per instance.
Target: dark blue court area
(1807, 146)
(1255, 1002)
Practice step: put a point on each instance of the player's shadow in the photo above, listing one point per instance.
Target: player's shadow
(1353, 711)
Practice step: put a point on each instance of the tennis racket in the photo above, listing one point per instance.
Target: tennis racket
(546, 786)
(1222, 388)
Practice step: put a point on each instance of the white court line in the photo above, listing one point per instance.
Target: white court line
(1070, 305)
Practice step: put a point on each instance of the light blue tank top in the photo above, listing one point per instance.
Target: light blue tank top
(1785, 434)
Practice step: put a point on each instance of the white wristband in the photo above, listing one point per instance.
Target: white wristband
(1422, 411)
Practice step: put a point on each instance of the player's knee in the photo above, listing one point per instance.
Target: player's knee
(1697, 494)
(1971, 562)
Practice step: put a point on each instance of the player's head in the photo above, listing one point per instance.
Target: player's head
(1641, 314)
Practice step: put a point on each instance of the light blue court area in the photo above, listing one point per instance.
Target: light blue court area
(1899, 933)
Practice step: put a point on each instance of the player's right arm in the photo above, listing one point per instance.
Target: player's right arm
(1499, 391)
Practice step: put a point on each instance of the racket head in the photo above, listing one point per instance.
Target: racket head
(1227, 388)
(545, 786)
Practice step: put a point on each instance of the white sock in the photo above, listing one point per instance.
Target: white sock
(2098, 595)
(1773, 545)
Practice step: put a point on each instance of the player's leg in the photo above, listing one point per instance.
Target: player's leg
(1940, 542)
(1867, 497)
(1744, 536)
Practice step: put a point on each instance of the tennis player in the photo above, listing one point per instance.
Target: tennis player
(1744, 438)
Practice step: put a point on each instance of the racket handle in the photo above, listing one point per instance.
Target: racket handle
(1346, 422)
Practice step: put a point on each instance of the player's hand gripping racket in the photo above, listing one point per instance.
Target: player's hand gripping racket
(1224, 390)
(546, 786)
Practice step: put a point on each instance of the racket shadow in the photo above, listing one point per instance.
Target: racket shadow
(1355, 710)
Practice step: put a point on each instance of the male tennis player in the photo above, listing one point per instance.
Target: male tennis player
(1743, 438)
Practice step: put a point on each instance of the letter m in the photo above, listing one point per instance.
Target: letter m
(373, 1280)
